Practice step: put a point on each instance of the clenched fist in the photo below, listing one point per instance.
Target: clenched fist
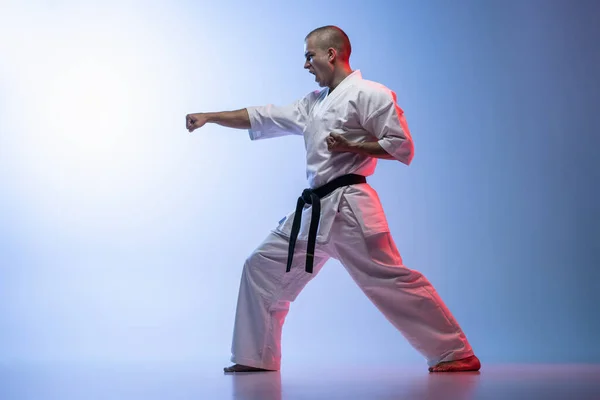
(195, 121)
(337, 142)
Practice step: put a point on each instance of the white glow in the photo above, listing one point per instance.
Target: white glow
(91, 113)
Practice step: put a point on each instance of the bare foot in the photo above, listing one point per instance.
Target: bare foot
(466, 364)
(243, 368)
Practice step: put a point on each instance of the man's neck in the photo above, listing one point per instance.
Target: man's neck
(339, 76)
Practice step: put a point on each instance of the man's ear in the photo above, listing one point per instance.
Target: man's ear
(331, 54)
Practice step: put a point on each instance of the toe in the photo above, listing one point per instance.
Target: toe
(441, 368)
(229, 369)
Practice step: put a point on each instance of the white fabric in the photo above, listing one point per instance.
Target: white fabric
(353, 229)
(404, 296)
(361, 110)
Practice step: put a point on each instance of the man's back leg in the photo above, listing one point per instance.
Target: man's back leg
(404, 296)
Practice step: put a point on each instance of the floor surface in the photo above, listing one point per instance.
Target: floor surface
(153, 382)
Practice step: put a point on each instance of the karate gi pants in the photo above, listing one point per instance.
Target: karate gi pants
(404, 296)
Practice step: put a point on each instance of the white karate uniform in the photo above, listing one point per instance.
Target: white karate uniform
(353, 229)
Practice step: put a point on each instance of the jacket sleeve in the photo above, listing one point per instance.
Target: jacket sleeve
(271, 121)
(385, 119)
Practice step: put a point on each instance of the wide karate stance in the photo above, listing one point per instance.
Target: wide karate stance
(346, 126)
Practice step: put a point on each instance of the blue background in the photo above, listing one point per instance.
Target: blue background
(122, 236)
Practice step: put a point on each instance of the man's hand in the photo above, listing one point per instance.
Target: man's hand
(195, 121)
(338, 143)
(238, 119)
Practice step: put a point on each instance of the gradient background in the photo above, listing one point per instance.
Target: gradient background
(122, 236)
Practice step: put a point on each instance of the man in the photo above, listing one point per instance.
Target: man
(346, 126)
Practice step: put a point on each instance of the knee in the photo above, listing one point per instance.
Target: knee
(383, 250)
(261, 269)
(251, 263)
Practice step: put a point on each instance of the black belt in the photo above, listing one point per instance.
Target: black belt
(314, 196)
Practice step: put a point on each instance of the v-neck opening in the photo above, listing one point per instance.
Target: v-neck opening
(340, 88)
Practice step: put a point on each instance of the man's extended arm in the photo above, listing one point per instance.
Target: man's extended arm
(238, 119)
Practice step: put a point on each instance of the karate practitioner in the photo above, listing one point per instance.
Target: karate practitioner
(346, 127)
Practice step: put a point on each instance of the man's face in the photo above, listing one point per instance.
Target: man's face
(317, 62)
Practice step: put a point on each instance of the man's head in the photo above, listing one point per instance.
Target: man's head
(327, 51)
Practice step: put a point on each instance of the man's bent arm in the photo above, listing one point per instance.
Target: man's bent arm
(372, 149)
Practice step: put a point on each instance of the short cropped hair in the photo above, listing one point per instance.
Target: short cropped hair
(332, 36)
